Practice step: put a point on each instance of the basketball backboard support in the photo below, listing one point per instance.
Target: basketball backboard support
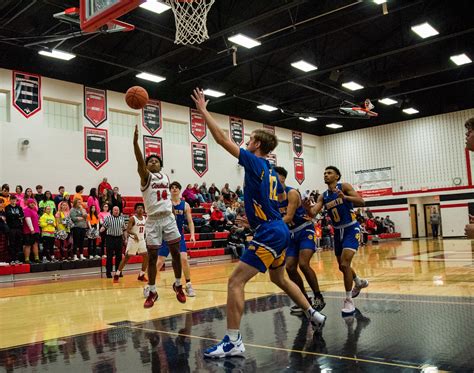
(96, 13)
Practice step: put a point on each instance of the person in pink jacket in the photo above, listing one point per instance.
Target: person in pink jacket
(93, 200)
(31, 230)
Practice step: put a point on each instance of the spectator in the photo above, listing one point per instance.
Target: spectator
(39, 196)
(221, 204)
(213, 191)
(105, 199)
(4, 198)
(19, 193)
(117, 200)
(60, 196)
(364, 238)
(225, 191)
(231, 213)
(197, 193)
(14, 215)
(217, 218)
(371, 226)
(28, 195)
(78, 195)
(102, 215)
(389, 225)
(306, 194)
(63, 223)
(78, 216)
(241, 209)
(236, 241)
(67, 199)
(190, 197)
(369, 213)
(47, 201)
(378, 223)
(31, 231)
(48, 225)
(104, 185)
(435, 220)
(314, 195)
(114, 225)
(239, 193)
(204, 192)
(92, 200)
(93, 232)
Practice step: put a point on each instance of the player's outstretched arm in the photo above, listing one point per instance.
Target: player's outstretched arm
(352, 196)
(142, 170)
(218, 134)
(294, 202)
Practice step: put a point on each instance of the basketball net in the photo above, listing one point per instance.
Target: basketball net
(190, 19)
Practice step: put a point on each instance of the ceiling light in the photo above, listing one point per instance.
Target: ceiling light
(333, 125)
(410, 111)
(155, 6)
(387, 101)
(212, 93)
(353, 86)
(58, 54)
(150, 77)
(304, 66)
(425, 30)
(267, 107)
(308, 119)
(460, 59)
(244, 41)
(378, 2)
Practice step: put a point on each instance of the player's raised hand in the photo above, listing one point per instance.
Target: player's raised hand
(199, 99)
(135, 134)
(308, 203)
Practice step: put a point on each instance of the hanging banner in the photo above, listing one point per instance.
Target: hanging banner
(269, 128)
(375, 182)
(153, 145)
(198, 125)
(95, 105)
(299, 170)
(96, 150)
(272, 159)
(297, 142)
(236, 130)
(152, 119)
(199, 158)
(26, 93)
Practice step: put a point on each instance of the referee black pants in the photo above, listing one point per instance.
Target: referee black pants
(114, 248)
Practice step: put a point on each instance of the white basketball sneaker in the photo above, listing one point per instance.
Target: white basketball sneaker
(189, 290)
(317, 321)
(226, 348)
(358, 287)
(348, 308)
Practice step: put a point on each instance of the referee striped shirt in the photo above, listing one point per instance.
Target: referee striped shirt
(115, 225)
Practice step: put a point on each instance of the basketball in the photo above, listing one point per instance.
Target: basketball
(136, 97)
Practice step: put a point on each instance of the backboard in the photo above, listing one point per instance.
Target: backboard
(97, 13)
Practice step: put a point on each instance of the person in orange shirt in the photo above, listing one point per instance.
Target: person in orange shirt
(78, 195)
(93, 232)
(4, 197)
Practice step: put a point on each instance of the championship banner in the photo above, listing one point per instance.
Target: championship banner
(95, 105)
(153, 145)
(152, 119)
(96, 150)
(299, 170)
(199, 158)
(272, 159)
(26, 93)
(374, 182)
(236, 130)
(269, 128)
(297, 142)
(198, 125)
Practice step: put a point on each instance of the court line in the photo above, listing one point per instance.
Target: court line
(340, 357)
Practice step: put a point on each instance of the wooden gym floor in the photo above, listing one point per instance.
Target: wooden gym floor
(417, 314)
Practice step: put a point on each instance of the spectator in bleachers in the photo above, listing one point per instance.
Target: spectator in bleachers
(47, 223)
(14, 217)
(368, 213)
(47, 201)
(371, 226)
(93, 231)
(28, 195)
(378, 223)
(79, 217)
(197, 193)
(117, 200)
(239, 193)
(31, 231)
(241, 209)
(105, 185)
(217, 218)
(4, 197)
(63, 223)
(78, 195)
(19, 193)
(92, 200)
(225, 191)
(221, 203)
(102, 215)
(213, 192)
(59, 197)
(231, 213)
(39, 196)
(314, 195)
(203, 190)
(305, 194)
(190, 197)
(105, 198)
(388, 225)
(364, 237)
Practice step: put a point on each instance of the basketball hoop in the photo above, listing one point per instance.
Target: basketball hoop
(190, 18)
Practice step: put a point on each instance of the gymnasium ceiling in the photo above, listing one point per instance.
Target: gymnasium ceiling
(347, 39)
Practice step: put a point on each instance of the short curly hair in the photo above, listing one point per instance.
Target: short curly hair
(469, 124)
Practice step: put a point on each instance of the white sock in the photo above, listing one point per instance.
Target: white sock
(357, 280)
(233, 334)
(118, 272)
(348, 294)
(153, 288)
(142, 273)
(178, 281)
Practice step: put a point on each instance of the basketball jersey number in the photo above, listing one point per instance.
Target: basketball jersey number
(161, 195)
(141, 230)
(273, 188)
(335, 216)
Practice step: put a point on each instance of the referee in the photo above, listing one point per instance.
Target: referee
(115, 226)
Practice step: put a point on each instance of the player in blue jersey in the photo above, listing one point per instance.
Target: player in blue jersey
(338, 201)
(262, 191)
(302, 244)
(182, 211)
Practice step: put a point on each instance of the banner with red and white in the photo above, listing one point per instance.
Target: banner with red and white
(152, 118)
(96, 150)
(199, 158)
(272, 159)
(297, 138)
(299, 170)
(375, 182)
(95, 105)
(26, 93)
(153, 145)
(269, 128)
(236, 130)
(198, 125)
